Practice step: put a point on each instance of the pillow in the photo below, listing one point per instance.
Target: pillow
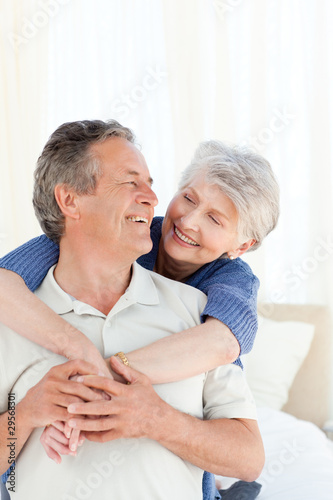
(279, 350)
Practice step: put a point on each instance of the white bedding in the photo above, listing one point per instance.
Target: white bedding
(299, 459)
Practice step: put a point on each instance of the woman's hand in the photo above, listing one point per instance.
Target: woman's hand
(56, 443)
(80, 347)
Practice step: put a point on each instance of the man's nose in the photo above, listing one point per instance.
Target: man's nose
(147, 196)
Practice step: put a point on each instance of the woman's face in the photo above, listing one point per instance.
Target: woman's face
(200, 224)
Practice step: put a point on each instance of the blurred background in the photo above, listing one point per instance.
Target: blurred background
(256, 72)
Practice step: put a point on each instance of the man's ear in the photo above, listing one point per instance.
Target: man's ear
(241, 249)
(67, 200)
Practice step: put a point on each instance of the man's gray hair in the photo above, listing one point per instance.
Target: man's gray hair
(68, 158)
(246, 178)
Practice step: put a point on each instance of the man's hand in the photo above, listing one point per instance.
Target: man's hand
(59, 438)
(48, 400)
(133, 411)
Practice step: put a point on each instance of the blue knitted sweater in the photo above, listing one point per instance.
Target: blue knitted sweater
(230, 286)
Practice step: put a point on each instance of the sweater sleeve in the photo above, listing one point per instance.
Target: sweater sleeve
(231, 306)
(32, 260)
(231, 289)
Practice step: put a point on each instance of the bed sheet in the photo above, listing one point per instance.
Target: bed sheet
(299, 459)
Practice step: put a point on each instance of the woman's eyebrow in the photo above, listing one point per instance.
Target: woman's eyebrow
(222, 214)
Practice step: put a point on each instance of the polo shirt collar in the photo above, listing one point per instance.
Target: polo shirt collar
(141, 290)
(142, 287)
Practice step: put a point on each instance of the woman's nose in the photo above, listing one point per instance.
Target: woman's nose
(190, 221)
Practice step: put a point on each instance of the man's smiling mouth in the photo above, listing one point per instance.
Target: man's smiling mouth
(137, 218)
(184, 238)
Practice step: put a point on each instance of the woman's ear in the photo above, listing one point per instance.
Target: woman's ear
(233, 254)
(67, 200)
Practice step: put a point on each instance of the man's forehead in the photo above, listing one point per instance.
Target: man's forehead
(123, 158)
(115, 146)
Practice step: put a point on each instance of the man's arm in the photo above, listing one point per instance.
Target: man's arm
(43, 404)
(230, 447)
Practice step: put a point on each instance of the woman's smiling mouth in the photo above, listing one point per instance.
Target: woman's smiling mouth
(184, 238)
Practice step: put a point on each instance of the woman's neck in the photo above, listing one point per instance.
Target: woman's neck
(173, 269)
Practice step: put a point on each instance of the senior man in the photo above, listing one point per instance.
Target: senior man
(92, 190)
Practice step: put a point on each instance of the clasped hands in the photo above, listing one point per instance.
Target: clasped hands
(107, 409)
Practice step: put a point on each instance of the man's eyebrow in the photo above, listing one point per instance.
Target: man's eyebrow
(134, 172)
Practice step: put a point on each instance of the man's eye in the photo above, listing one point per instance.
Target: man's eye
(132, 182)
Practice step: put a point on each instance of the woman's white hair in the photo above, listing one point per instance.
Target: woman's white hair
(246, 178)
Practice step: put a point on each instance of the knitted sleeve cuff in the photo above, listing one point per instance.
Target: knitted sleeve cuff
(32, 260)
(238, 315)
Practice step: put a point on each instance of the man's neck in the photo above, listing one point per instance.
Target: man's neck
(91, 277)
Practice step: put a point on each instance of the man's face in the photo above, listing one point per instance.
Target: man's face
(118, 215)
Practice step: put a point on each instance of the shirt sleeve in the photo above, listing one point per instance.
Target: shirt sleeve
(32, 260)
(226, 394)
(232, 299)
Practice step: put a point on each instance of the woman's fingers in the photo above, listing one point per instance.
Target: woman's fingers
(59, 425)
(55, 443)
(52, 454)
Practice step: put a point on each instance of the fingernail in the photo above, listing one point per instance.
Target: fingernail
(81, 442)
(80, 379)
(72, 423)
(71, 408)
(73, 447)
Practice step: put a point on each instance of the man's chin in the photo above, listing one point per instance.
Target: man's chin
(137, 246)
(144, 246)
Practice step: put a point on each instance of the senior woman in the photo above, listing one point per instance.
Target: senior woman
(226, 204)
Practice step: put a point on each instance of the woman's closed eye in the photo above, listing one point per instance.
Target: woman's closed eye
(218, 223)
(186, 196)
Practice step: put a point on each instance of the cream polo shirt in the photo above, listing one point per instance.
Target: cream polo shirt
(151, 308)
